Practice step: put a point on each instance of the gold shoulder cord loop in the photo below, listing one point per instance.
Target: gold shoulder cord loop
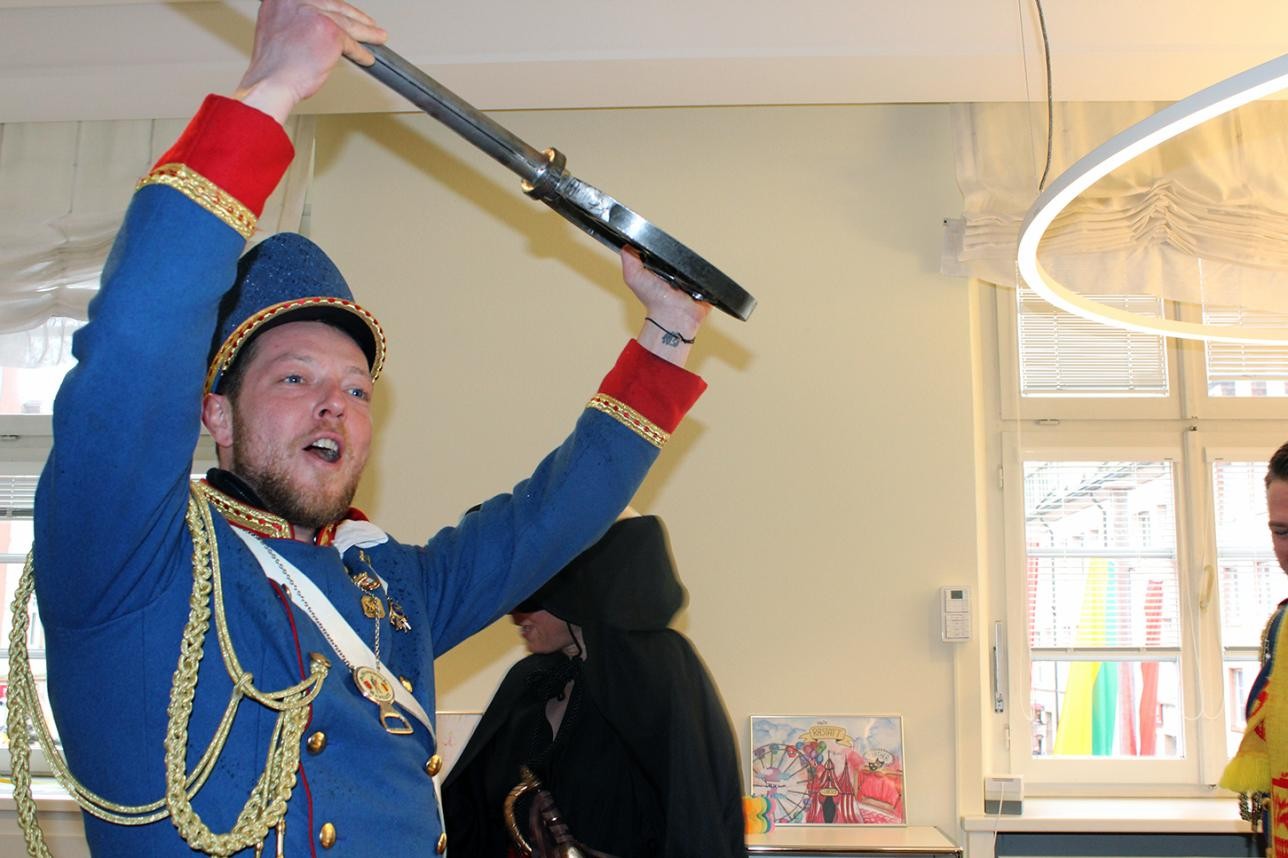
(264, 809)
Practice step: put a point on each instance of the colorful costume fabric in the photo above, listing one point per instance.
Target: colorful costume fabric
(114, 558)
(1260, 766)
(644, 764)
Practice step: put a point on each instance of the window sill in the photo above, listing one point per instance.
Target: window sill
(1141, 815)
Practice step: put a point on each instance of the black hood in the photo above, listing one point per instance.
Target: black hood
(625, 581)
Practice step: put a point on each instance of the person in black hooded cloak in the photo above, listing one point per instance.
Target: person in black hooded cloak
(614, 713)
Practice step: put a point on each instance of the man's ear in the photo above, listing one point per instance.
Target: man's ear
(217, 415)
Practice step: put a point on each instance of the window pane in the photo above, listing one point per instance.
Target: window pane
(1107, 709)
(1063, 355)
(1244, 369)
(1251, 581)
(1239, 676)
(1100, 568)
(32, 365)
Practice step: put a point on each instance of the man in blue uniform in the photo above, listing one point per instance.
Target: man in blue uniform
(255, 613)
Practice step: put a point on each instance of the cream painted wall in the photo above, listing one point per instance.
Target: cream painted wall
(825, 487)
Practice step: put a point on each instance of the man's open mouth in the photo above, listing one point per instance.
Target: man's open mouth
(325, 449)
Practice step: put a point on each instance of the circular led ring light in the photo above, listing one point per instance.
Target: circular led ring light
(1206, 104)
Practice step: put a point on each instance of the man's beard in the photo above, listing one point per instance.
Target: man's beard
(280, 497)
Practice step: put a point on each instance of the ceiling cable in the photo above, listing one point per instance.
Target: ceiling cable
(1046, 52)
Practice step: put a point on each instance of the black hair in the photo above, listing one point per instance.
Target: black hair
(230, 382)
(1278, 467)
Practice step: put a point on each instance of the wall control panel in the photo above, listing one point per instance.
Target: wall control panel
(955, 614)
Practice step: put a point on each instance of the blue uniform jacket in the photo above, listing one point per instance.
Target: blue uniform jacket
(114, 561)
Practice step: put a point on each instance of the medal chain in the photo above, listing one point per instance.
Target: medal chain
(372, 684)
(368, 582)
(298, 594)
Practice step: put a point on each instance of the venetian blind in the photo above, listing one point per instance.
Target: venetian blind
(17, 496)
(1063, 355)
(1235, 362)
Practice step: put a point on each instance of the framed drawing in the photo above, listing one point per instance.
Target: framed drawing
(829, 769)
(453, 730)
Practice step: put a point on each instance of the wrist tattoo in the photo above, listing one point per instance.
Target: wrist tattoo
(670, 338)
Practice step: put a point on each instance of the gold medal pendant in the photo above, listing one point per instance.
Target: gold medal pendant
(365, 582)
(398, 617)
(372, 606)
(373, 686)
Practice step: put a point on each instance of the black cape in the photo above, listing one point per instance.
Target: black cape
(645, 763)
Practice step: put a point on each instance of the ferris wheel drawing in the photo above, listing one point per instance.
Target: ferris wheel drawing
(781, 773)
(836, 770)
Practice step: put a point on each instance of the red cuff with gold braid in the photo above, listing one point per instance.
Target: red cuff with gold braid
(648, 394)
(239, 149)
(228, 160)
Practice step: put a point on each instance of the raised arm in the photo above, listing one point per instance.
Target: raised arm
(127, 417)
(297, 44)
(515, 542)
(672, 318)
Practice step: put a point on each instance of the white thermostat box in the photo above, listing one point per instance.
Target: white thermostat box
(955, 613)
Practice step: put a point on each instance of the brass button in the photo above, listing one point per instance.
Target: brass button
(433, 765)
(442, 844)
(320, 659)
(316, 742)
(326, 836)
(406, 683)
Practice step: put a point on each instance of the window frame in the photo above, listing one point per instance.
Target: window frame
(1230, 447)
(1187, 426)
(1067, 446)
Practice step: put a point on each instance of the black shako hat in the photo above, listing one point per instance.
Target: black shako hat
(626, 580)
(287, 278)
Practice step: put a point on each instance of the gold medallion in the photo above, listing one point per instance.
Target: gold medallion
(372, 606)
(373, 686)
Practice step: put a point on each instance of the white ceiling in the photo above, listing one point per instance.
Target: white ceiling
(99, 59)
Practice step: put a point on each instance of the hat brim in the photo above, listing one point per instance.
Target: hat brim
(359, 324)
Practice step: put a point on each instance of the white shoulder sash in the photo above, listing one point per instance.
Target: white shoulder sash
(353, 650)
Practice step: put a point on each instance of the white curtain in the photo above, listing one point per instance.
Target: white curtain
(64, 187)
(1202, 219)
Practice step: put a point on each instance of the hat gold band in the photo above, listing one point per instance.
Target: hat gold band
(243, 332)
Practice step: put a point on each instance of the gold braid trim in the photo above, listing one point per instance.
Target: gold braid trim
(241, 334)
(266, 806)
(630, 418)
(204, 193)
(244, 515)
